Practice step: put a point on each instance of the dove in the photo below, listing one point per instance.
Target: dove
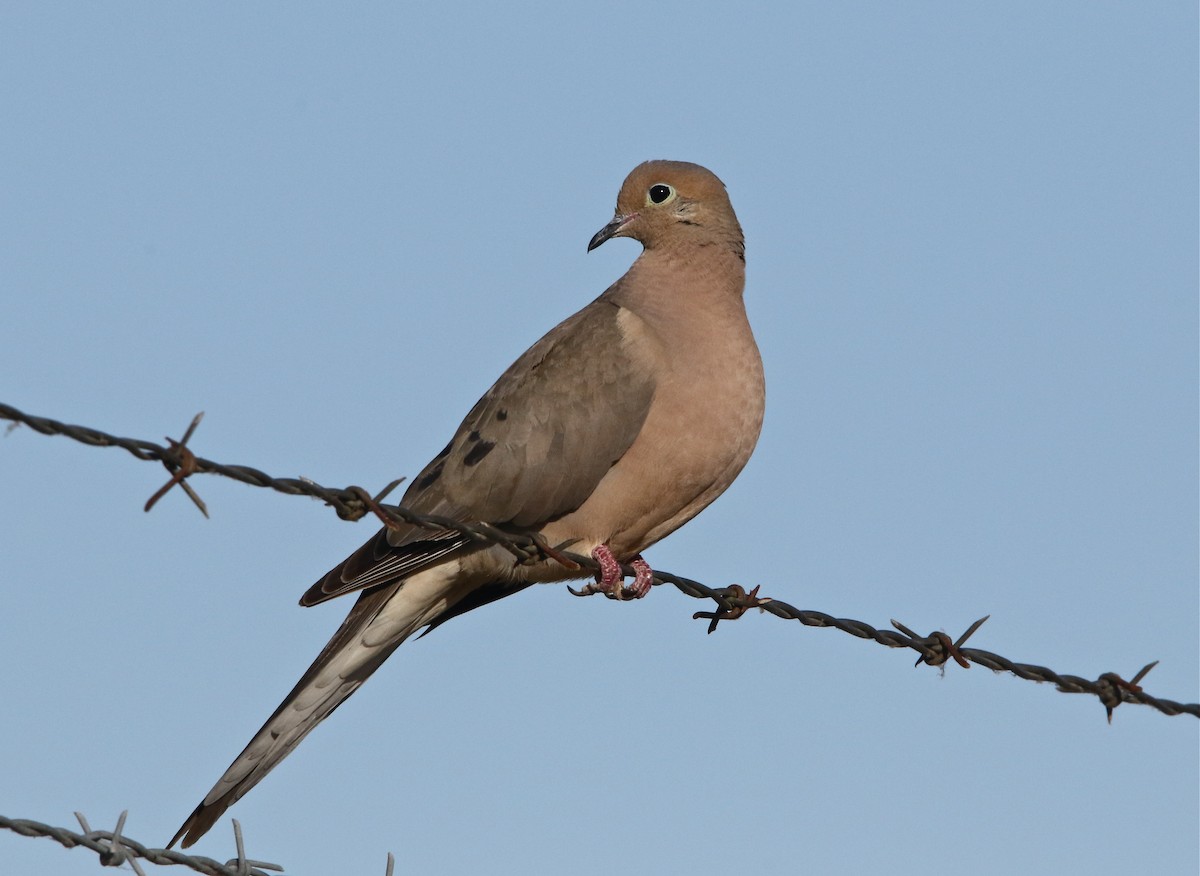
(612, 431)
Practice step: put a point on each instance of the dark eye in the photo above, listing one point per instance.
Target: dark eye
(660, 193)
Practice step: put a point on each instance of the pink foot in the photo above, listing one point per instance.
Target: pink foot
(642, 579)
(611, 582)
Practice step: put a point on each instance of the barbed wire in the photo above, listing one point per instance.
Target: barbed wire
(353, 503)
(114, 849)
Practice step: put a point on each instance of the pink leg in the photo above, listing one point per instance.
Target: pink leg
(610, 579)
(642, 580)
(611, 582)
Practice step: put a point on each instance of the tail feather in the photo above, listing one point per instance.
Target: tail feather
(379, 622)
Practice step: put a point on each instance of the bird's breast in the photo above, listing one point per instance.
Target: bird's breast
(700, 430)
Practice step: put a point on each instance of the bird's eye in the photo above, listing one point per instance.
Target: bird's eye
(660, 193)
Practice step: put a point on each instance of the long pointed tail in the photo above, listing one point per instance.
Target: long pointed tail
(375, 627)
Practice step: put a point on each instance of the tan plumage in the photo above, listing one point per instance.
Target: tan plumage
(616, 428)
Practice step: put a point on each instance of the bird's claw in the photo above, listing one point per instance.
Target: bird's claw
(610, 580)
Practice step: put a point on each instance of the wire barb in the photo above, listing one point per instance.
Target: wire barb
(114, 849)
(734, 602)
(242, 865)
(372, 503)
(113, 854)
(1113, 685)
(940, 648)
(352, 503)
(182, 465)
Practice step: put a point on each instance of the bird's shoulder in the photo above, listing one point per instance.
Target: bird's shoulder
(539, 440)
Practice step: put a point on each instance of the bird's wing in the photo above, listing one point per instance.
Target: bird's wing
(531, 450)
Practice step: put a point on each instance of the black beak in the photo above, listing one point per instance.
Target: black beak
(618, 222)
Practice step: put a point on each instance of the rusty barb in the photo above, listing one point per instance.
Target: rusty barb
(733, 602)
(372, 503)
(1112, 685)
(936, 648)
(180, 463)
(353, 503)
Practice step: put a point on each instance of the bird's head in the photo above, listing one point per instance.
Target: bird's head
(662, 202)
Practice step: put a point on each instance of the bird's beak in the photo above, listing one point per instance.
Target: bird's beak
(612, 229)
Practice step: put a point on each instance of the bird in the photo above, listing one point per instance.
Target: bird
(616, 428)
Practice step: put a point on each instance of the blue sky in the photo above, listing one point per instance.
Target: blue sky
(972, 234)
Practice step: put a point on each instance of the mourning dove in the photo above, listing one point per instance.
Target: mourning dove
(612, 431)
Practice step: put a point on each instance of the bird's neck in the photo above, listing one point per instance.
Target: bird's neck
(710, 278)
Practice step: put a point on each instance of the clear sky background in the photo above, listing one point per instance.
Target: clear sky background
(972, 235)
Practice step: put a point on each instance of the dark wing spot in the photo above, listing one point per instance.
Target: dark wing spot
(473, 437)
(426, 480)
(478, 452)
(445, 452)
(502, 415)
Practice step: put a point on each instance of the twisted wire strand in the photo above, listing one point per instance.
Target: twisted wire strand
(114, 849)
(353, 503)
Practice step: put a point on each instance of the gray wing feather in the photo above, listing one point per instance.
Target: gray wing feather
(539, 441)
(531, 450)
